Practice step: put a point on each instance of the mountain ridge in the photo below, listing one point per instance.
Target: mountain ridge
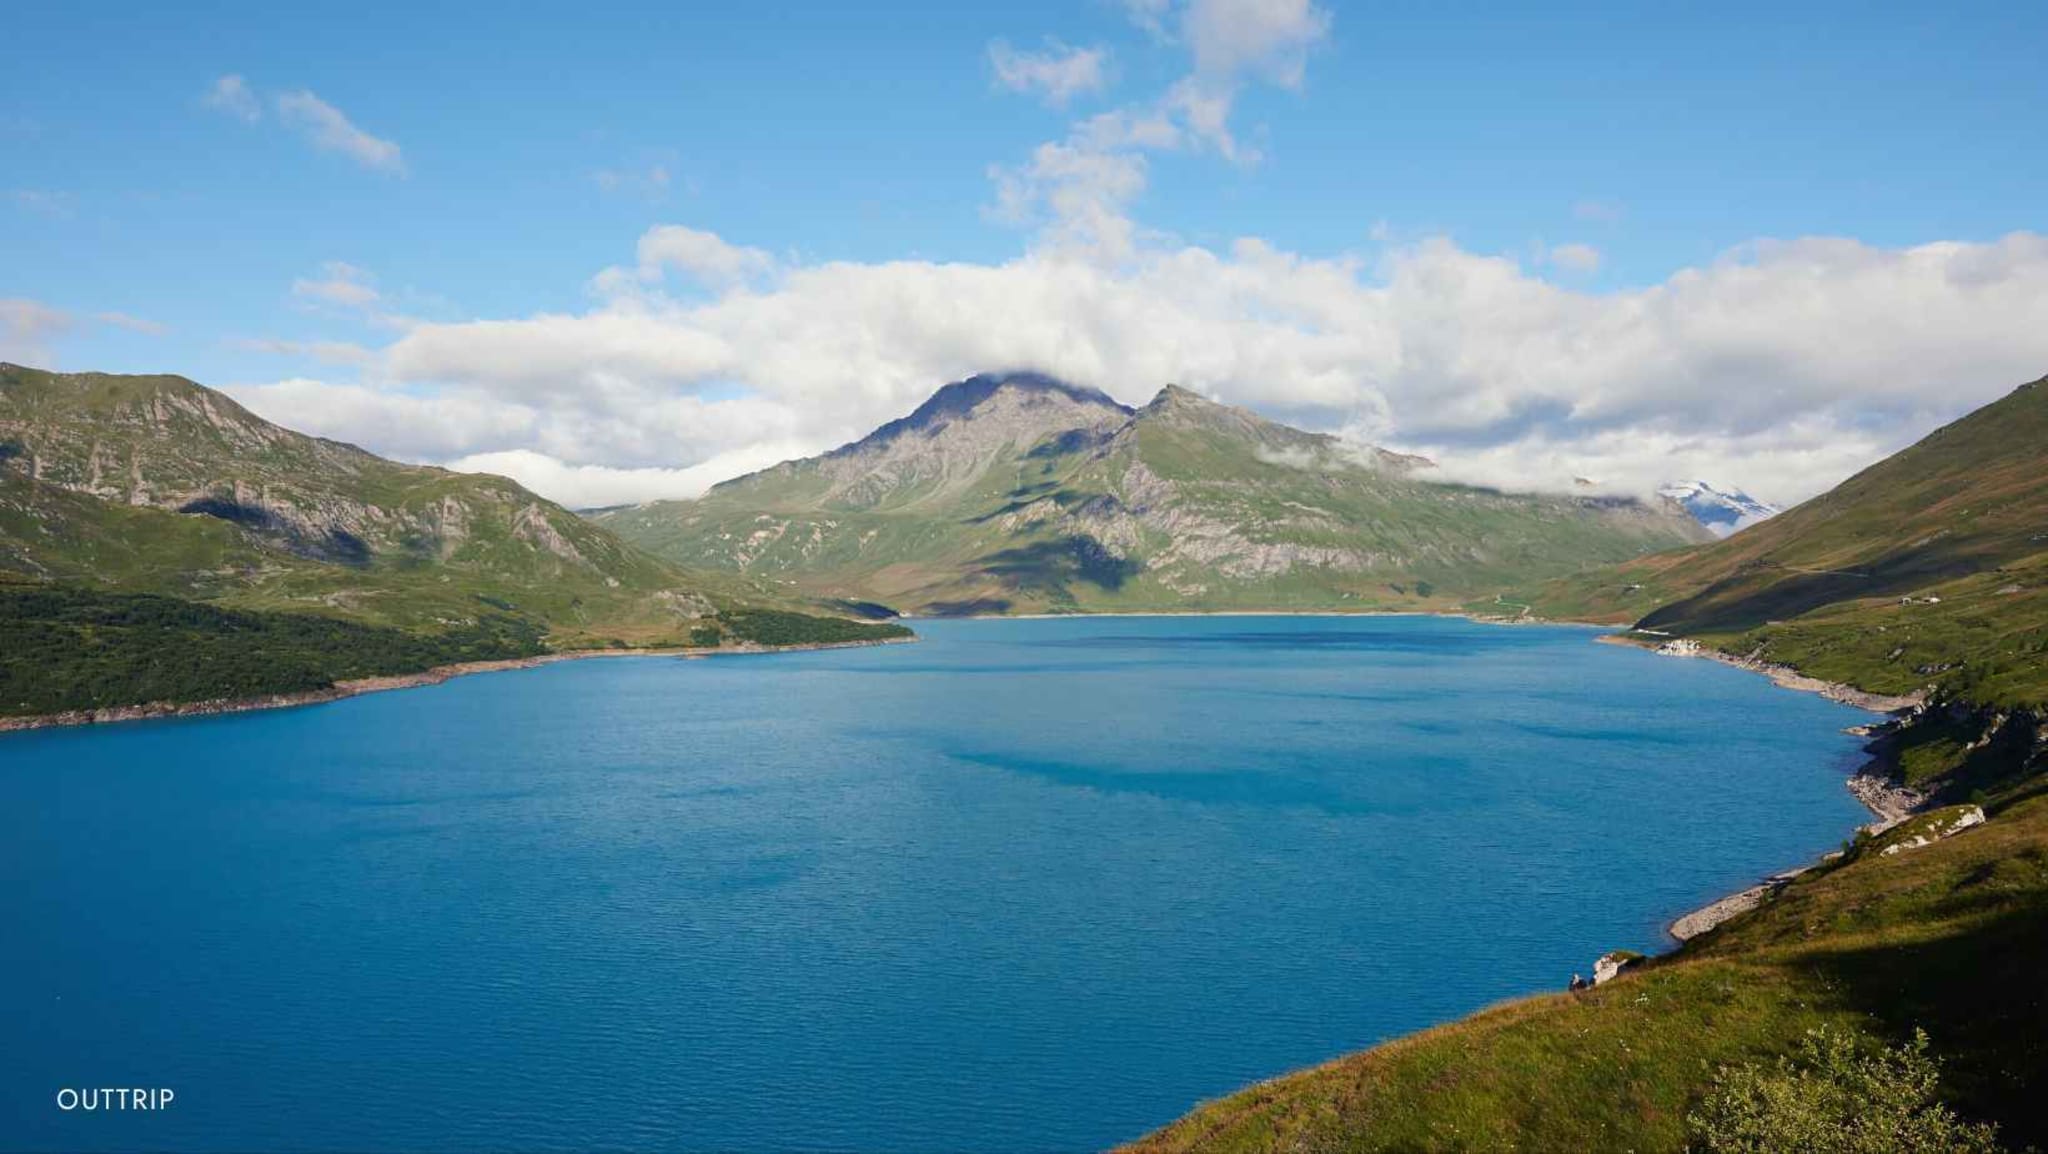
(154, 533)
(1929, 567)
(1722, 511)
(1020, 492)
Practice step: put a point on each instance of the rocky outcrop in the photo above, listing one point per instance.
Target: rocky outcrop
(1932, 827)
(168, 443)
(1610, 966)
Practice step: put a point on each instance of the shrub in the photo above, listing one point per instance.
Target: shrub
(1838, 1095)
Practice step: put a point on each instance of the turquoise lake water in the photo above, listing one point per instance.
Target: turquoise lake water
(1026, 885)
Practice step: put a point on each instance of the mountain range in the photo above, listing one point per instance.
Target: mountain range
(1722, 511)
(1019, 492)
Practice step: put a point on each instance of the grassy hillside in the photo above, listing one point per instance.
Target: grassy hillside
(1930, 567)
(1950, 938)
(157, 484)
(67, 648)
(118, 486)
(1024, 494)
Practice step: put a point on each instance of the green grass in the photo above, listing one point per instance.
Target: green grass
(76, 649)
(778, 627)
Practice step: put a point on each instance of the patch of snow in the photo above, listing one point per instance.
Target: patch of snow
(1722, 511)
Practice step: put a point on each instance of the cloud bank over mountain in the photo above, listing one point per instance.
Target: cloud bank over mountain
(1783, 364)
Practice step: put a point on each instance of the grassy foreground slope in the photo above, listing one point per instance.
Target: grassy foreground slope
(1927, 570)
(1951, 938)
(188, 550)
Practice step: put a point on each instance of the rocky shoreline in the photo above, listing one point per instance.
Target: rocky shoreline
(1783, 675)
(158, 710)
(1873, 785)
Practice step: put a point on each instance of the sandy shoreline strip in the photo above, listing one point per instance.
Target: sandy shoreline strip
(359, 686)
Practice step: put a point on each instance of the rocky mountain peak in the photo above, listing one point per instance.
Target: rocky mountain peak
(990, 394)
(1722, 511)
(1175, 397)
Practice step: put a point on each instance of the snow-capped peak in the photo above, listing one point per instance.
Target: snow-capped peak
(1722, 511)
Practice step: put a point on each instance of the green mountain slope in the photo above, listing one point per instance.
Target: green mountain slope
(1929, 567)
(1021, 493)
(117, 486)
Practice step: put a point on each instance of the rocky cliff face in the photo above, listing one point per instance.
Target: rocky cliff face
(1022, 492)
(167, 443)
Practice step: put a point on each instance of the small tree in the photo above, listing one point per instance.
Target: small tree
(1838, 1095)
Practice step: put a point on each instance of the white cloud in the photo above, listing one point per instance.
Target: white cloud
(1268, 38)
(329, 129)
(1575, 257)
(408, 425)
(340, 283)
(702, 255)
(592, 486)
(1149, 14)
(1056, 75)
(1078, 190)
(133, 324)
(26, 329)
(1780, 367)
(231, 95)
(1077, 195)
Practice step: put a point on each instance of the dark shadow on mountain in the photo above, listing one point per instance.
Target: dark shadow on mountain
(247, 516)
(336, 545)
(1050, 567)
(872, 610)
(1067, 443)
(9, 450)
(968, 608)
(1026, 497)
(1764, 592)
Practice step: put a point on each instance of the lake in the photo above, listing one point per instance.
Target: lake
(1025, 885)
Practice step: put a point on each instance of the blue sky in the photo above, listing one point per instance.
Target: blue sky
(1599, 151)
